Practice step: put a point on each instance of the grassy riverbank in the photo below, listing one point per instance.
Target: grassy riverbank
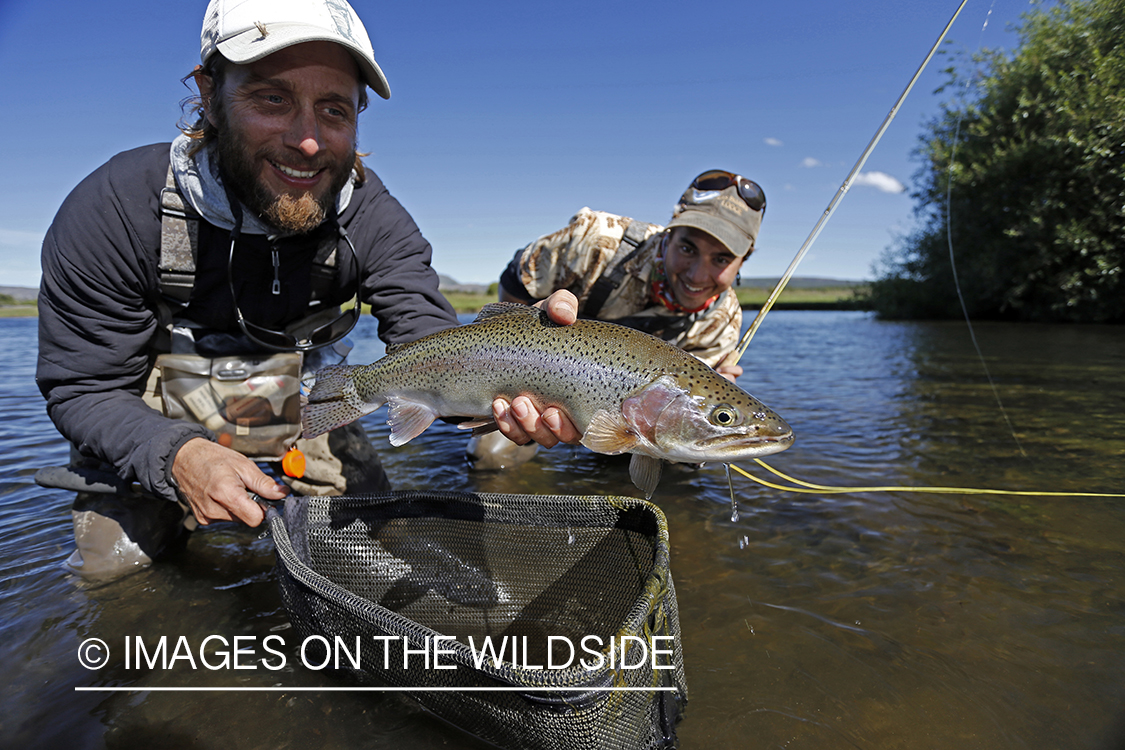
(18, 302)
(810, 298)
(751, 298)
(793, 298)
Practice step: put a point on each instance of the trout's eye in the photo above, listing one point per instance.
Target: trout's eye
(724, 415)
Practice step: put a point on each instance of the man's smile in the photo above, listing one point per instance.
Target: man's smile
(297, 174)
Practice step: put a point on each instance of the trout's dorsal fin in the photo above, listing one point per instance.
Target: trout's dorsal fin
(408, 419)
(392, 348)
(492, 309)
(608, 433)
(645, 473)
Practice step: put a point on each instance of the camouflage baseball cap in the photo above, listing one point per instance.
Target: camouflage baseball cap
(727, 206)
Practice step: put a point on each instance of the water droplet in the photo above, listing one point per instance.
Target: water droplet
(733, 502)
(570, 536)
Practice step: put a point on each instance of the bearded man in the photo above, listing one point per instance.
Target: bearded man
(179, 281)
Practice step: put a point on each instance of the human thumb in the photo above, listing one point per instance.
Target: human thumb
(267, 487)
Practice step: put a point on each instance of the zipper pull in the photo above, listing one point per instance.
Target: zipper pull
(276, 288)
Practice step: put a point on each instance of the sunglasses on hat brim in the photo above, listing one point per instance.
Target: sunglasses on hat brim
(718, 179)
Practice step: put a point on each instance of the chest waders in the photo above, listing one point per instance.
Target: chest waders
(340, 461)
(119, 529)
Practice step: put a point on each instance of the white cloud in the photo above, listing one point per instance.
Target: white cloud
(811, 162)
(880, 181)
(773, 142)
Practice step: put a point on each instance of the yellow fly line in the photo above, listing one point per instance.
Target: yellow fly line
(820, 489)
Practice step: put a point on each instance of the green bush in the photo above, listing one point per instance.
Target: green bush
(1035, 201)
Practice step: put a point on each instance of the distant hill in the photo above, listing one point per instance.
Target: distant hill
(450, 285)
(20, 293)
(800, 282)
(447, 284)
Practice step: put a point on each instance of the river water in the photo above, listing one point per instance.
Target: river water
(889, 619)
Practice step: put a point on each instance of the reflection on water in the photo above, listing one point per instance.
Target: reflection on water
(873, 620)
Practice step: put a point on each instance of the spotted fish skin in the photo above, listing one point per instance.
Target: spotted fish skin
(625, 390)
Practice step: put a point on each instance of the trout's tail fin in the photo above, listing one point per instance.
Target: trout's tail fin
(333, 401)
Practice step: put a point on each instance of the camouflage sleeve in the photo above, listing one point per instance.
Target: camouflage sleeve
(573, 257)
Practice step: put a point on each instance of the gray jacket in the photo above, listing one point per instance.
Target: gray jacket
(99, 295)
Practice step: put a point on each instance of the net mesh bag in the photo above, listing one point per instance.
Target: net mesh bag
(573, 594)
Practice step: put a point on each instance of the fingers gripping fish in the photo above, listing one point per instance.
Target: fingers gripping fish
(627, 391)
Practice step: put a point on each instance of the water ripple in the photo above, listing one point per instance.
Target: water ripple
(837, 621)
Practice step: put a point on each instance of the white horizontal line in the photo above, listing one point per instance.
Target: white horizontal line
(375, 689)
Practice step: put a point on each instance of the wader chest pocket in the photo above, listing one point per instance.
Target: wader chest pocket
(252, 404)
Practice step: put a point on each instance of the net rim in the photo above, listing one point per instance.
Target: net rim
(656, 583)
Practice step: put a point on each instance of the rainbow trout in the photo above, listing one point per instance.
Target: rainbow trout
(627, 391)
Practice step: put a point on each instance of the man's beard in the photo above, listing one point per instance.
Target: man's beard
(291, 214)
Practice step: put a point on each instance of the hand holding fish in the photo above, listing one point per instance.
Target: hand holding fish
(522, 423)
(520, 420)
(730, 372)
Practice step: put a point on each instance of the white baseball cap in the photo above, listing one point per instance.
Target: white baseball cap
(248, 30)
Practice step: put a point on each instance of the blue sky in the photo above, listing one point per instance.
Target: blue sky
(507, 117)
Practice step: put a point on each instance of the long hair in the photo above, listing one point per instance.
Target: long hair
(195, 125)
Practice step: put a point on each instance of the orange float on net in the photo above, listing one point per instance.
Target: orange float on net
(293, 464)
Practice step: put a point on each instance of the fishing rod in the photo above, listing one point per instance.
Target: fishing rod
(777, 290)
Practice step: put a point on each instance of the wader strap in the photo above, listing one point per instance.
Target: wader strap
(179, 243)
(323, 272)
(179, 250)
(635, 235)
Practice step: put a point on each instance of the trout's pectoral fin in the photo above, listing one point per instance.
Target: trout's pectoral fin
(645, 473)
(408, 419)
(609, 433)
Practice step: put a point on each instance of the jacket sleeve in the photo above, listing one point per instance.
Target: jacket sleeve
(572, 258)
(398, 280)
(97, 319)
